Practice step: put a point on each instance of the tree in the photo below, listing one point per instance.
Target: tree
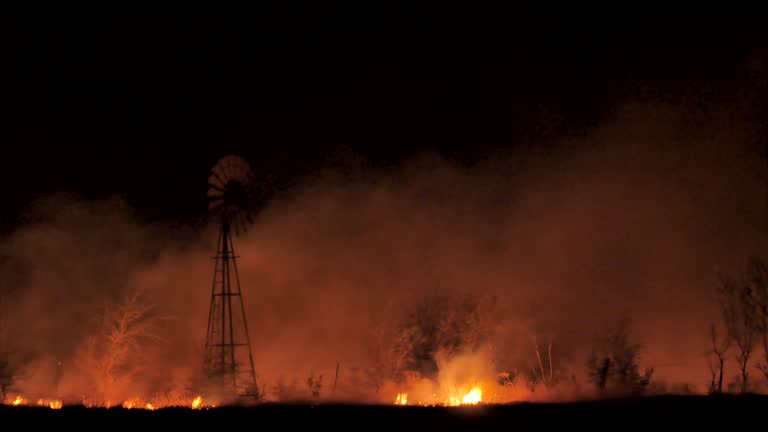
(542, 372)
(315, 384)
(392, 347)
(6, 377)
(739, 316)
(116, 353)
(757, 281)
(613, 363)
(718, 350)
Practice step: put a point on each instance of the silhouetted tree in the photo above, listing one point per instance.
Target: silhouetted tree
(14, 272)
(532, 378)
(115, 354)
(315, 384)
(613, 362)
(542, 372)
(716, 355)
(598, 370)
(757, 280)
(438, 323)
(6, 377)
(739, 316)
(391, 349)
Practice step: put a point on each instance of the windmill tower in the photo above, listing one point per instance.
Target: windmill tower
(229, 359)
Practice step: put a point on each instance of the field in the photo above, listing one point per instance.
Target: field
(656, 412)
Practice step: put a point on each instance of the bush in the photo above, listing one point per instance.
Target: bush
(613, 363)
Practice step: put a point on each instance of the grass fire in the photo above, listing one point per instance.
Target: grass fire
(256, 218)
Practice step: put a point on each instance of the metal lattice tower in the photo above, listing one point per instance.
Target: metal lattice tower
(229, 358)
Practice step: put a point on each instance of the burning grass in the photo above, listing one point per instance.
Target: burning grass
(135, 403)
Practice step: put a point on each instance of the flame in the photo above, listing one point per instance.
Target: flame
(133, 403)
(52, 404)
(474, 397)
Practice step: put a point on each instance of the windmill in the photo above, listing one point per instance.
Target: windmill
(229, 359)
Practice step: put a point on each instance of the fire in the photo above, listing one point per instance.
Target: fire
(196, 403)
(52, 404)
(474, 397)
(133, 403)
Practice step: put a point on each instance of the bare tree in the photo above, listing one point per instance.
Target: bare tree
(436, 324)
(757, 280)
(391, 349)
(547, 376)
(614, 362)
(738, 313)
(479, 320)
(116, 353)
(6, 377)
(716, 355)
(315, 384)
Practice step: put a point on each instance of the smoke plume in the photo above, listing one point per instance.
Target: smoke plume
(633, 220)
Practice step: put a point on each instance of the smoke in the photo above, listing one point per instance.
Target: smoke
(634, 220)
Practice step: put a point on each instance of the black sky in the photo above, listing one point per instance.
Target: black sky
(142, 107)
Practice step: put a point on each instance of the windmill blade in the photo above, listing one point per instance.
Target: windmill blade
(231, 171)
(216, 206)
(240, 170)
(233, 206)
(215, 177)
(223, 168)
(215, 187)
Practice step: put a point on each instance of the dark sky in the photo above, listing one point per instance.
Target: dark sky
(142, 107)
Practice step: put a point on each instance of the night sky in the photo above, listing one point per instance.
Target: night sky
(143, 107)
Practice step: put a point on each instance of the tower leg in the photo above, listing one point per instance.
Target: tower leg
(229, 358)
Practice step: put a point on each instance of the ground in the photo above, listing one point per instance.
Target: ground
(721, 412)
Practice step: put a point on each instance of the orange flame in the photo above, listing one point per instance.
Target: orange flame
(134, 403)
(474, 397)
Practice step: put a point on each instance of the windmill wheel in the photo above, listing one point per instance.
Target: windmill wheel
(230, 193)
